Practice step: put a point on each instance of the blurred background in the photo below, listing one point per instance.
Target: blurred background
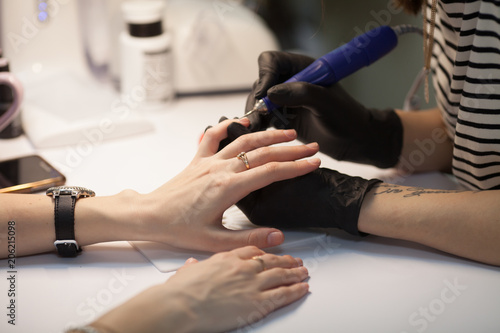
(315, 27)
(71, 49)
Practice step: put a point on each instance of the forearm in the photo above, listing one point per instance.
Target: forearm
(98, 219)
(159, 308)
(426, 146)
(464, 223)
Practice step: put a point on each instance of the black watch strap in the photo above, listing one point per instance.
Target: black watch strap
(65, 198)
(64, 219)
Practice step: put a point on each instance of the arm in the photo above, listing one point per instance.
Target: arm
(464, 223)
(227, 291)
(98, 219)
(426, 145)
(185, 212)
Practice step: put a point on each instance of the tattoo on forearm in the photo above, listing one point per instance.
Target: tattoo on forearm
(409, 191)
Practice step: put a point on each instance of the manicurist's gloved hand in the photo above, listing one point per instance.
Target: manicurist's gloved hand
(323, 198)
(344, 128)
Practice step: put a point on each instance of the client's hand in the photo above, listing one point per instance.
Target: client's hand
(228, 291)
(184, 212)
(187, 211)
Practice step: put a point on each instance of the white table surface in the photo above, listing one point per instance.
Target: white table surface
(356, 285)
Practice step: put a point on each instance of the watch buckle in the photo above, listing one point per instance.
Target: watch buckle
(67, 242)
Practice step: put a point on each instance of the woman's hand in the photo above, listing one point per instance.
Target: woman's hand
(187, 211)
(227, 291)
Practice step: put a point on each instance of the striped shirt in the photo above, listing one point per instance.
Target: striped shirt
(466, 77)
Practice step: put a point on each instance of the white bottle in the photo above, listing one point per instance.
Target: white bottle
(146, 55)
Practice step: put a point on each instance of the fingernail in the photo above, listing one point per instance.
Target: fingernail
(314, 161)
(244, 121)
(304, 269)
(275, 238)
(191, 260)
(290, 133)
(313, 145)
(299, 261)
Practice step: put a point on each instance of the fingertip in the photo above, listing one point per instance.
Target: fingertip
(299, 261)
(187, 263)
(314, 161)
(313, 145)
(191, 261)
(290, 133)
(275, 238)
(244, 121)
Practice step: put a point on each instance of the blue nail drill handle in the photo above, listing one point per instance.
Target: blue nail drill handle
(347, 59)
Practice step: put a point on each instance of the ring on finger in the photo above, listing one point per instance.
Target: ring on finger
(262, 263)
(243, 157)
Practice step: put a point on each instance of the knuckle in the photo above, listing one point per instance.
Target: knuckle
(250, 141)
(243, 140)
(210, 133)
(272, 260)
(265, 152)
(260, 140)
(272, 167)
(252, 239)
(289, 276)
(253, 248)
(289, 259)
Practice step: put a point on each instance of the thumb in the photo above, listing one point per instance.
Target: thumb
(188, 262)
(259, 237)
(295, 94)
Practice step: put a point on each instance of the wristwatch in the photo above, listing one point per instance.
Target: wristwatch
(64, 217)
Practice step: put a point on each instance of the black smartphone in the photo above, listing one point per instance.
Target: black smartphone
(28, 174)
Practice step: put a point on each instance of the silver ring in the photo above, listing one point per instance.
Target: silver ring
(243, 157)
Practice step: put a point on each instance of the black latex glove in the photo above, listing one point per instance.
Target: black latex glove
(344, 129)
(323, 199)
(234, 130)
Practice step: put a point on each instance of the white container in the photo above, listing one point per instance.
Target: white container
(146, 55)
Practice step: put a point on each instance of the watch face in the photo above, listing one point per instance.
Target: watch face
(70, 190)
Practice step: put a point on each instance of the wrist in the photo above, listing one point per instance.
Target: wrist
(107, 218)
(366, 218)
(381, 215)
(159, 308)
